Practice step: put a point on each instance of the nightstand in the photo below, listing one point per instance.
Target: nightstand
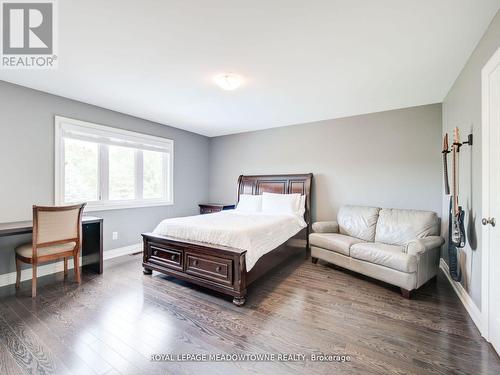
(208, 208)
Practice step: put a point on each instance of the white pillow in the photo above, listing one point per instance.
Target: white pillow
(280, 203)
(249, 203)
(302, 206)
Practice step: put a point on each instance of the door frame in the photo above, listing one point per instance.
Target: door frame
(487, 70)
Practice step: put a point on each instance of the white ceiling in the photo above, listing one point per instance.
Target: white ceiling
(303, 60)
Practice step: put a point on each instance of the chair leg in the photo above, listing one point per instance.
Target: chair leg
(76, 262)
(33, 282)
(65, 267)
(18, 273)
(314, 260)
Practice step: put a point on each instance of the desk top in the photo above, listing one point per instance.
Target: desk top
(23, 227)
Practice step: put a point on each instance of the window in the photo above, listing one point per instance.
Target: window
(111, 168)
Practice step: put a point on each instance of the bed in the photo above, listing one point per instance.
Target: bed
(182, 251)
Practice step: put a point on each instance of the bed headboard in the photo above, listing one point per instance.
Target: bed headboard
(280, 184)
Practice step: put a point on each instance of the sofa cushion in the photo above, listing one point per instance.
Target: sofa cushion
(385, 255)
(358, 221)
(397, 227)
(333, 241)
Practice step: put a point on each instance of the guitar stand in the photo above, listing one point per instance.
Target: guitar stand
(468, 142)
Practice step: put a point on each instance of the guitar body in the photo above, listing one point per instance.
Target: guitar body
(458, 233)
(453, 249)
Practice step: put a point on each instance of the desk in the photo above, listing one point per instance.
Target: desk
(208, 208)
(92, 249)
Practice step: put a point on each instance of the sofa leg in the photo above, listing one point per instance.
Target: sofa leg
(406, 293)
(314, 260)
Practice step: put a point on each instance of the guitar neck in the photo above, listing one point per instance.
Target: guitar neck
(454, 182)
(445, 170)
(445, 164)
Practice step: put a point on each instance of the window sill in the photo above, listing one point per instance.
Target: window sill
(94, 207)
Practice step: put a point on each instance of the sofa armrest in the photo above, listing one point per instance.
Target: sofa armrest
(325, 227)
(421, 245)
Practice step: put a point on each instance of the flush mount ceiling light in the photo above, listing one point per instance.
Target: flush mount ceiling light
(228, 81)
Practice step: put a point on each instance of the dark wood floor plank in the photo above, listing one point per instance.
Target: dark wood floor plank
(412, 347)
(35, 345)
(61, 322)
(113, 323)
(8, 365)
(62, 350)
(19, 351)
(116, 325)
(319, 314)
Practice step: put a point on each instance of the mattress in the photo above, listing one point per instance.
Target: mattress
(257, 233)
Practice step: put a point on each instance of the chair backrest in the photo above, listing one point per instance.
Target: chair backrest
(55, 225)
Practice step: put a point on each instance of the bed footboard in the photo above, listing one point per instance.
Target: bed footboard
(219, 268)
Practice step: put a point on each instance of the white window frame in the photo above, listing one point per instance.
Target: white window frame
(165, 145)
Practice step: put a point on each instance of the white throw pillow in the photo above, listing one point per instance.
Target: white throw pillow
(249, 203)
(280, 203)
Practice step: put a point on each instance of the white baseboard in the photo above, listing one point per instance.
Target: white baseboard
(48, 269)
(464, 297)
(126, 250)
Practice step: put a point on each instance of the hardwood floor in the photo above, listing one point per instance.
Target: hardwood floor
(104, 325)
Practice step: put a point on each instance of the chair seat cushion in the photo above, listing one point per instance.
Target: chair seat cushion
(390, 256)
(27, 252)
(339, 243)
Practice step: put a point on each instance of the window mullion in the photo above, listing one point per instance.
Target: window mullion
(166, 171)
(103, 172)
(62, 172)
(139, 175)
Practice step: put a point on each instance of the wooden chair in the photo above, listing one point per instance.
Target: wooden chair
(56, 234)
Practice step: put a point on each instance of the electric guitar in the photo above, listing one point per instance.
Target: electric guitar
(456, 230)
(458, 214)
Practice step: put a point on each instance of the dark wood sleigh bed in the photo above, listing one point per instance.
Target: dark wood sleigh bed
(221, 268)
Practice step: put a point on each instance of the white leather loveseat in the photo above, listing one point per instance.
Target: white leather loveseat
(400, 247)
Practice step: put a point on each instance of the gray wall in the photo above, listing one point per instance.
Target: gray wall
(462, 108)
(27, 160)
(388, 159)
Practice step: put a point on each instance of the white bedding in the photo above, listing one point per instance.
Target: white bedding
(257, 233)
